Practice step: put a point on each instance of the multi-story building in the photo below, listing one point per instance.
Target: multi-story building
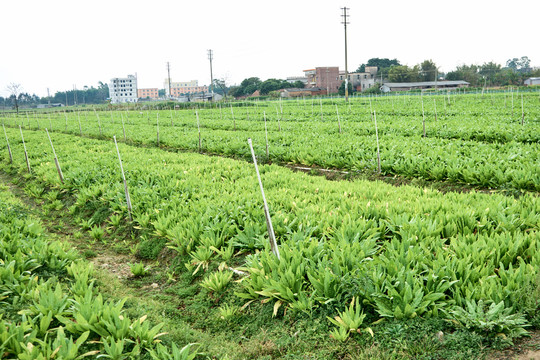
(182, 88)
(326, 77)
(123, 90)
(361, 81)
(150, 93)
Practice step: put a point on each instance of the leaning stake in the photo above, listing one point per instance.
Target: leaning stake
(60, 175)
(8, 147)
(273, 244)
(128, 200)
(25, 152)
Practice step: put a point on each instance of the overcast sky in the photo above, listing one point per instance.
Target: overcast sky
(57, 44)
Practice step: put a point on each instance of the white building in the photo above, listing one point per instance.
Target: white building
(123, 90)
(532, 81)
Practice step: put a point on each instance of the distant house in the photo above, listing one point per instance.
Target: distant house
(44, 106)
(295, 92)
(443, 84)
(532, 81)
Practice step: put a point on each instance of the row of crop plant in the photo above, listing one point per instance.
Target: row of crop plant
(353, 248)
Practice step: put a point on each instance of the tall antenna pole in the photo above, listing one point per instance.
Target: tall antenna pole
(169, 78)
(345, 22)
(210, 57)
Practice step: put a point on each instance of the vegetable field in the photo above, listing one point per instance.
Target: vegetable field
(353, 254)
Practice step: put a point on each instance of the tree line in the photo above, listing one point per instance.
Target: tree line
(515, 71)
(88, 95)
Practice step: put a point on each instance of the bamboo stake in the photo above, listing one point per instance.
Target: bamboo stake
(271, 235)
(423, 117)
(25, 152)
(320, 103)
(522, 111)
(199, 128)
(128, 199)
(79, 119)
(378, 150)
(435, 105)
(8, 147)
(233, 119)
(157, 129)
(172, 124)
(65, 115)
(123, 127)
(50, 122)
(339, 122)
(60, 175)
(99, 122)
(266, 135)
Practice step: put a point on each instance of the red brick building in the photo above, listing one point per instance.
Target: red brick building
(326, 77)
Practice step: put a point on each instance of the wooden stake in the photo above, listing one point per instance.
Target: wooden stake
(128, 199)
(271, 235)
(320, 103)
(25, 152)
(378, 151)
(8, 147)
(60, 175)
(435, 106)
(65, 115)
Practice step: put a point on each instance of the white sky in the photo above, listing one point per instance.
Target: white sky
(57, 44)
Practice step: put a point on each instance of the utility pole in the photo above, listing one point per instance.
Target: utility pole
(327, 86)
(210, 57)
(169, 78)
(345, 22)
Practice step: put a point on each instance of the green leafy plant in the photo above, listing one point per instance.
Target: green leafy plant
(493, 319)
(97, 232)
(138, 269)
(228, 312)
(349, 321)
(217, 281)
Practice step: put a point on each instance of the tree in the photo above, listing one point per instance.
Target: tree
(15, 91)
(428, 70)
(298, 84)
(341, 90)
(403, 73)
(467, 73)
(489, 71)
(221, 85)
(521, 65)
(382, 64)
